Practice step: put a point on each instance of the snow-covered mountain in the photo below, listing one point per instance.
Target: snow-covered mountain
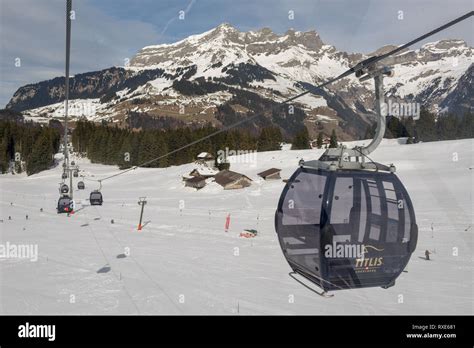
(208, 76)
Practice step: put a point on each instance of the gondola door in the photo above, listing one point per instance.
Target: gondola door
(368, 232)
(339, 238)
(298, 221)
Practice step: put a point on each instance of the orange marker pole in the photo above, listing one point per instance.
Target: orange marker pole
(227, 222)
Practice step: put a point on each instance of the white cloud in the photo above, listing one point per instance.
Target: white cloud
(34, 31)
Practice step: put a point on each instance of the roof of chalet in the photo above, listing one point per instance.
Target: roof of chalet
(268, 172)
(225, 177)
(205, 171)
(204, 155)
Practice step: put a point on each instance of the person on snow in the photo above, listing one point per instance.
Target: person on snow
(427, 255)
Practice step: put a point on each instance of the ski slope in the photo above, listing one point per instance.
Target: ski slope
(183, 262)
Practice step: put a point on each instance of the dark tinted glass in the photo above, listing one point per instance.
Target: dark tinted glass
(303, 200)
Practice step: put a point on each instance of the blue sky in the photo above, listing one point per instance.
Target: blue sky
(106, 32)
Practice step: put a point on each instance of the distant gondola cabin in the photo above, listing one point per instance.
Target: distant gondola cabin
(95, 198)
(65, 205)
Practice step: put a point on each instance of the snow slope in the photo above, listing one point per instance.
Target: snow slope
(183, 262)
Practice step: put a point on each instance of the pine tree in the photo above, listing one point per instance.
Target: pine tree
(370, 131)
(426, 126)
(148, 149)
(41, 157)
(409, 128)
(3, 156)
(162, 150)
(269, 139)
(301, 140)
(465, 129)
(319, 140)
(447, 127)
(333, 139)
(394, 128)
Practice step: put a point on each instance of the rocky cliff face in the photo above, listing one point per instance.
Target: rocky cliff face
(461, 97)
(91, 85)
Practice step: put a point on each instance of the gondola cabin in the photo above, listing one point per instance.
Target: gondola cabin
(345, 221)
(95, 198)
(64, 189)
(346, 229)
(81, 185)
(65, 205)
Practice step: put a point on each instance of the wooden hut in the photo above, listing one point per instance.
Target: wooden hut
(197, 182)
(205, 158)
(269, 174)
(203, 171)
(230, 180)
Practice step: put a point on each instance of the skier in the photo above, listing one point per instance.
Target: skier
(72, 206)
(26, 216)
(427, 255)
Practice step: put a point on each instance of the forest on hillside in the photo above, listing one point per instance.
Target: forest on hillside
(30, 147)
(126, 148)
(429, 127)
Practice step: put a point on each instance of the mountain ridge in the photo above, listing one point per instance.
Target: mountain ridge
(262, 62)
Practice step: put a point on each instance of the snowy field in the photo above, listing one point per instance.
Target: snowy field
(183, 262)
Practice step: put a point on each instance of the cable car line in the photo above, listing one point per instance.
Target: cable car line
(365, 155)
(65, 202)
(435, 31)
(359, 68)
